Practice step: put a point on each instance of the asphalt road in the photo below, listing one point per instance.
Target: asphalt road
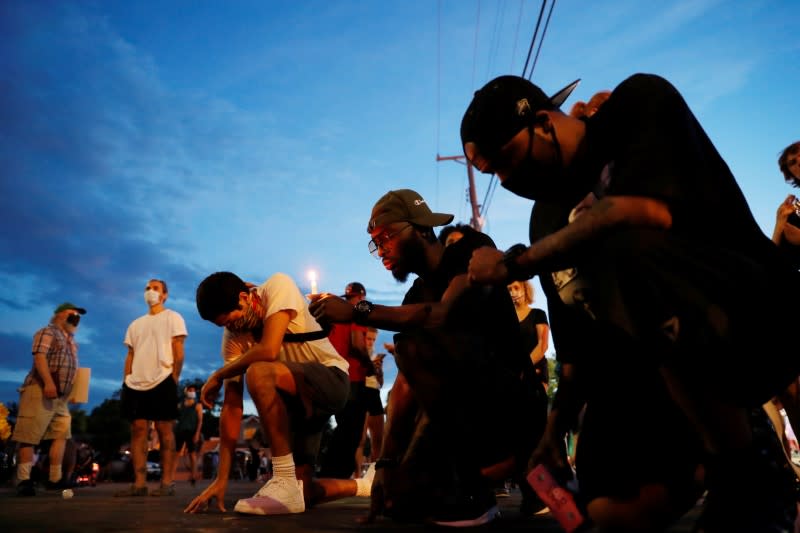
(95, 509)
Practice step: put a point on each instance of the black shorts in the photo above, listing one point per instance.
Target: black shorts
(159, 403)
(184, 437)
(372, 401)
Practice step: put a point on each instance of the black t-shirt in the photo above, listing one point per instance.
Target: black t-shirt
(484, 313)
(530, 340)
(527, 326)
(653, 146)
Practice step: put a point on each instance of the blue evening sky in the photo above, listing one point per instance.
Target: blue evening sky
(173, 139)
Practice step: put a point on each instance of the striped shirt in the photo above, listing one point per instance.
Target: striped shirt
(61, 352)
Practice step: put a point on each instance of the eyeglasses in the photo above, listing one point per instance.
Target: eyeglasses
(380, 242)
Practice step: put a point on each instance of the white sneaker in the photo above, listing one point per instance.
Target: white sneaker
(369, 475)
(364, 483)
(278, 496)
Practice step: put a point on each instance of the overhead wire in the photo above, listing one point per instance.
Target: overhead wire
(544, 32)
(516, 36)
(475, 46)
(492, 187)
(533, 40)
(494, 42)
(493, 47)
(438, 90)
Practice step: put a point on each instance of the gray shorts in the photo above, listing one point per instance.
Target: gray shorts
(321, 392)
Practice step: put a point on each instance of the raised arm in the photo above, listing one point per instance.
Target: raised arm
(556, 251)
(329, 308)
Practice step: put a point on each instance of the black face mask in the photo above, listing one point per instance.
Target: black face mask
(74, 319)
(528, 181)
(535, 180)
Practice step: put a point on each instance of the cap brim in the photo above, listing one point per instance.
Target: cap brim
(434, 219)
(561, 96)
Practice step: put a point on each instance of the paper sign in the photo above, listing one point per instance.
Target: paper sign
(80, 387)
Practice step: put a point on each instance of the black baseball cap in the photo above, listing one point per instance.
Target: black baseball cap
(504, 107)
(354, 289)
(405, 205)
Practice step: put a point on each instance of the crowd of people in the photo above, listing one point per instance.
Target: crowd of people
(655, 337)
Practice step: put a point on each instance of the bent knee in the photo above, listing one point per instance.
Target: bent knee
(260, 373)
(270, 374)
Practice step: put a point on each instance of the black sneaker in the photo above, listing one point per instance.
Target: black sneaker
(61, 484)
(468, 511)
(26, 488)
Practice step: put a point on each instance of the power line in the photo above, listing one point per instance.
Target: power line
(544, 32)
(438, 87)
(533, 40)
(475, 46)
(516, 35)
(494, 42)
(480, 211)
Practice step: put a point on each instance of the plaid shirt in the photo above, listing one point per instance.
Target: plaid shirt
(61, 351)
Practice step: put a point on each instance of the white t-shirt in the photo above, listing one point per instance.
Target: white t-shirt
(151, 336)
(280, 293)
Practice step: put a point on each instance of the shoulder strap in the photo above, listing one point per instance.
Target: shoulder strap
(307, 336)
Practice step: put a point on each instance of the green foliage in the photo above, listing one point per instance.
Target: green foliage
(80, 421)
(552, 372)
(107, 428)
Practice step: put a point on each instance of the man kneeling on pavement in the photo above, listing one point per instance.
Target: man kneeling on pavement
(460, 361)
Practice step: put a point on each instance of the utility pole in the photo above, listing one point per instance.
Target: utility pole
(475, 221)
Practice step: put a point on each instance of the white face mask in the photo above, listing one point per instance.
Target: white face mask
(191, 395)
(152, 297)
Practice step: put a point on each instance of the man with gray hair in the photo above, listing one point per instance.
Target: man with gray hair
(43, 409)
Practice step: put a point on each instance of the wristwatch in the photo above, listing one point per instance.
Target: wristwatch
(516, 272)
(361, 311)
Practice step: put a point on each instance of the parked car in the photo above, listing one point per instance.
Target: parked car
(120, 467)
(153, 471)
(87, 476)
(117, 468)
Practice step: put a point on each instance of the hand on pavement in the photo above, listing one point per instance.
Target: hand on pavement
(201, 502)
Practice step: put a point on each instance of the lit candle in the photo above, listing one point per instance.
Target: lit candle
(312, 277)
